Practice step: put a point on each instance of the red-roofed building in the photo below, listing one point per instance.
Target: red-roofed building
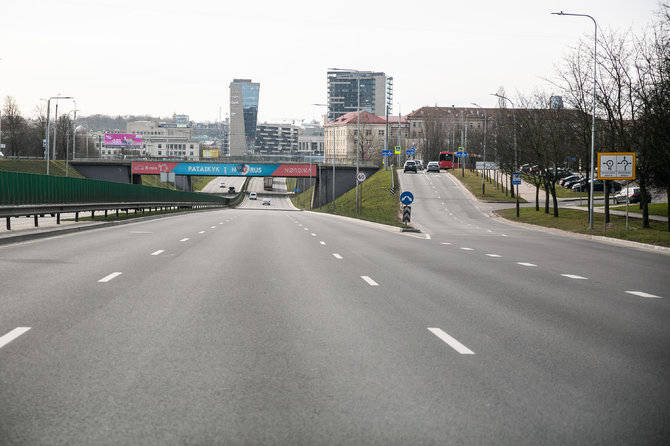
(341, 136)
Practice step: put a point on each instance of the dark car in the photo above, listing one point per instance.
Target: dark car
(567, 179)
(410, 166)
(598, 186)
(231, 190)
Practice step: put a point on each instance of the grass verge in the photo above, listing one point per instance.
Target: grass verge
(57, 168)
(473, 182)
(377, 203)
(574, 220)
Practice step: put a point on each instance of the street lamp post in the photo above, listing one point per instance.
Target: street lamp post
(48, 156)
(484, 167)
(333, 132)
(516, 163)
(593, 112)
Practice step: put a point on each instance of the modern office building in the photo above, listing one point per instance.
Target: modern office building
(243, 116)
(376, 92)
(276, 139)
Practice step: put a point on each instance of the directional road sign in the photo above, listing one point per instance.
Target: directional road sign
(411, 151)
(461, 154)
(616, 166)
(387, 152)
(516, 178)
(406, 198)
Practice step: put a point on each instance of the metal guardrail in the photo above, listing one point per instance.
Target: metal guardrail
(23, 194)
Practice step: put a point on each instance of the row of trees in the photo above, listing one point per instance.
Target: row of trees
(632, 89)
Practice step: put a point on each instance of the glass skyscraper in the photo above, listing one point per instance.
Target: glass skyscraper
(243, 116)
(343, 91)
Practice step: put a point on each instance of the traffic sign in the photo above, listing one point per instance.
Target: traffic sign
(360, 177)
(406, 198)
(387, 152)
(616, 166)
(516, 178)
(461, 154)
(411, 151)
(398, 150)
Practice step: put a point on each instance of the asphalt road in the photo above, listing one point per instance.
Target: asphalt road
(252, 326)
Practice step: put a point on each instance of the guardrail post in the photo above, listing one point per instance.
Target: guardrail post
(9, 223)
(76, 216)
(58, 218)
(36, 222)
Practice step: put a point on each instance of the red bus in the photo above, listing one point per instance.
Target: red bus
(448, 160)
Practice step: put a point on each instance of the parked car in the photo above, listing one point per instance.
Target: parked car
(410, 166)
(633, 194)
(253, 196)
(433, 166)
(569, 183)
(419, 164)
(598, 186)
(564, 180)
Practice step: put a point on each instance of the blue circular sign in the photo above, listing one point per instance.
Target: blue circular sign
(406, 198)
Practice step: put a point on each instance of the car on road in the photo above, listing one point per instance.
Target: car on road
(433, 166)
(633, 194)
(231, 190)
(419, 164)
(410, 166)
(253, 196)
(266, 201)
(222, 184)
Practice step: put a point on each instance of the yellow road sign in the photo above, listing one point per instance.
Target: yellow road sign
(616, 166)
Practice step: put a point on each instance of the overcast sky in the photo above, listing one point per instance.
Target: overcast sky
(164, 57)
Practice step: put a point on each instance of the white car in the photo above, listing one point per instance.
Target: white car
(266, 201)
(253, 196)
(223, 184)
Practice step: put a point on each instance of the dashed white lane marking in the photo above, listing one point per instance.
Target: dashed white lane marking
(337, 256)
(184, 239)
(220, 223)
(467, 249)
(9, 337)
(504, 235)
(212, 227)
(643, 294)
(201, 232)
(322, 242)
(306, 229)
(155, 253)
(453, 343)
(494, 255)
(526, 264)
(109, 277)
(369, 281)
(313, 234)
(445, 243)
(488, 230)
(574, 276)
(427, 236)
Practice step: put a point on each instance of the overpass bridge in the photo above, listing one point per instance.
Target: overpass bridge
(331, 180)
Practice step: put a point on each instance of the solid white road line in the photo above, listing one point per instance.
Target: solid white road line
(369, 281)
(109, 277)
(183, 240)
(453, 343)
(525, 264)
(573, 276)
(643, 294)
(9, 337)
(157, 252)
(337, 256)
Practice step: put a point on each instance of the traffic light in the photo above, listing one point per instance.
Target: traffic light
(406, 214)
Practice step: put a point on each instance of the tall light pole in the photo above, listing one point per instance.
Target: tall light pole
(484, 167)
(358, 122)
(516, 163)
(48, 156)
(593, 112)
(333, 132)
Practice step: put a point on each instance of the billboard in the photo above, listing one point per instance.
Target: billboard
(218, 169)
(210, 153)
(123, 140)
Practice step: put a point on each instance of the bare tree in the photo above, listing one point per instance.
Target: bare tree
(13, 127)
